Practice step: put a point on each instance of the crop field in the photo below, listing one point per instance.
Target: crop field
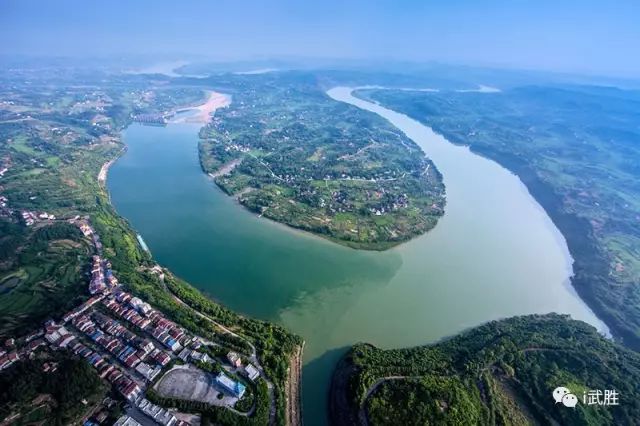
(42, 281)
(305, 160)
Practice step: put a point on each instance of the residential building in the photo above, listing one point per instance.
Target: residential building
(234, 359)
(126, 421)
(252, 372)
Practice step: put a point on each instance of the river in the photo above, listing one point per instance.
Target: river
(495, 253)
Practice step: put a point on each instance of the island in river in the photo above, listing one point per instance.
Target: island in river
(288, 152)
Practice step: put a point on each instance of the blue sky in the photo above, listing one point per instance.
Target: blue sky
(588, 36)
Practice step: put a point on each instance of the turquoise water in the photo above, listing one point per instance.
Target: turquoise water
(494, 254)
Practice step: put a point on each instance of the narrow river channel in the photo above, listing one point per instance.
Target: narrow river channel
(494, 254)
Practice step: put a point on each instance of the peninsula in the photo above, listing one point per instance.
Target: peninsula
(502, 372)
(290, 153)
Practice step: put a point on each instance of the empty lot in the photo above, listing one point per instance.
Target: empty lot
(192, 384)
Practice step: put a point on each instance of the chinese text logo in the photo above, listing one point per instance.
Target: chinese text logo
(591, 397)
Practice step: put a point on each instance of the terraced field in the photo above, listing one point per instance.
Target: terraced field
(290, 153)
(41, 279)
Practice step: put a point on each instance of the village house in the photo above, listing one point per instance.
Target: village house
(252, 372)
(126, 421)
(201, 357)
(234, 359)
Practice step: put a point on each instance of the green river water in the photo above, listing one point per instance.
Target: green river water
(495, 253)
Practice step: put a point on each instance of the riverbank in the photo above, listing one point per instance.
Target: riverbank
(226, 169)
(342, 410)
(104, 170)
(292, 388)
(241, 329)
(591, 267)
(202, 113)
(501, 372)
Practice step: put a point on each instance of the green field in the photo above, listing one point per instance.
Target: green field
(318, 165)
(41, 283)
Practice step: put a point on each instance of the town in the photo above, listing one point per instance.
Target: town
(55, 216)
(135, 348)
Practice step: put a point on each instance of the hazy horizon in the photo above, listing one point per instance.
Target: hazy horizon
(585, 37)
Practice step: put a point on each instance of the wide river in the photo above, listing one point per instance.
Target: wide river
(494, 254)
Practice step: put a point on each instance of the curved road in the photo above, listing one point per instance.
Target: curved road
(253, 357)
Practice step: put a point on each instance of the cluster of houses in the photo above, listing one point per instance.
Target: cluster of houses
(126, 312)
(141, 315)
(3, 201)
(81, 309)
(133, 351)
(9, 354)
(236, 361)
(157, 413)
(58, 336)
(86, 229)
(102, 278)
(7, 359)
(128, 356)
(30, 218)
(195, 356)
(236, 147)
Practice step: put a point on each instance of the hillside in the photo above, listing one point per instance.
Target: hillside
(577, 149)
(290, 153)
(58, 134)
(503, 372)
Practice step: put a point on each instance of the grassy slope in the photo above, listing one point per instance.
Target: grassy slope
(500, 373)
(577, 149)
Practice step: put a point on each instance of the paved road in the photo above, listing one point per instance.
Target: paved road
(253, 358)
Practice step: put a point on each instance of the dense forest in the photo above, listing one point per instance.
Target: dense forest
(56, 397)
(503, 372)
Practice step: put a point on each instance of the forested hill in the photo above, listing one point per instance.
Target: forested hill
(503, 372)
(577, 149)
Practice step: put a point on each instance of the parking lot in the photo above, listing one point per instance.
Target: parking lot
(191, 383)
